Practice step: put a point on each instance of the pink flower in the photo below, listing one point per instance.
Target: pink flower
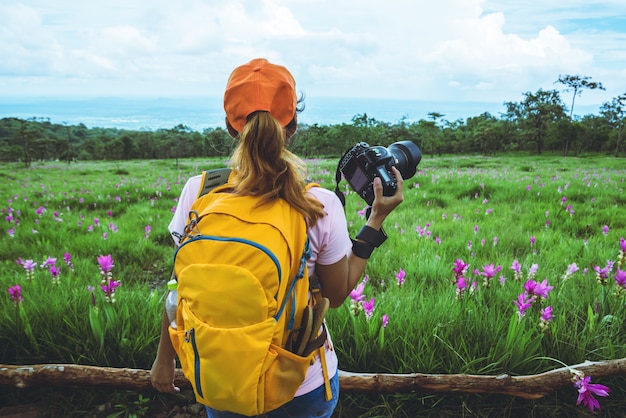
(109, 290)
(489, 271)
(16, 293)
(29, 265)
(400, 276)
(586, 390)
(385, 320)
(523, 304)
(605, 230)
(620, 278)
(357, 294)
(622, 244)
(106, 263)
(571, 269)
(368, 308)
(517, 269)
(460, 267)
(546, 314)
(538, 289)
(49, 262)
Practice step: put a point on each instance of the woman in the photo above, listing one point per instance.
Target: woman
(261, 113)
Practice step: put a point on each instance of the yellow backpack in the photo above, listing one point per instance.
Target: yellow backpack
(247, 329)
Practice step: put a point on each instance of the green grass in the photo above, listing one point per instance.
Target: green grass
(494, 204)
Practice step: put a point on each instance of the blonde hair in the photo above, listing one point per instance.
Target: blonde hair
(262, 166)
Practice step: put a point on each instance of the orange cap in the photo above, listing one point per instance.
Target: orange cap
(260, 85)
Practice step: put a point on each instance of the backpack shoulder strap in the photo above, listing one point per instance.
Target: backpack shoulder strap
(212, 179)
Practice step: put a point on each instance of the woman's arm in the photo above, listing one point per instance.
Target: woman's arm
(338, 279)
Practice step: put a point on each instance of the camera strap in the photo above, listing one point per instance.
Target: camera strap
(339, 193)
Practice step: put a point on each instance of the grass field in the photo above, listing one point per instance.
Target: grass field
(543, 232)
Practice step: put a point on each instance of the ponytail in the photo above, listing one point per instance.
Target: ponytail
(262, 166)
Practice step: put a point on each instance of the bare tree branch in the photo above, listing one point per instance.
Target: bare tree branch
(527, 387)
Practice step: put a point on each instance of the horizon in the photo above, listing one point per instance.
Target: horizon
(452, 50)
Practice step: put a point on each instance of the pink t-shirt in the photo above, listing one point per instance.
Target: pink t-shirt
(329, 242)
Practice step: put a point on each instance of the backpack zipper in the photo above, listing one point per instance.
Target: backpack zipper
(191, 337)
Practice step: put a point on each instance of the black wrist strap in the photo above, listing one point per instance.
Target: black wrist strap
(371, 236)
(362, 249)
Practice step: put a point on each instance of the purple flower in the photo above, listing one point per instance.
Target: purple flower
(400, 276)
(586, 390)
(533, 270)
(368, 308)
(67, 258)
(489, 271)
(357, 294)
(385, 320)
(54, 272)
(602, 273)
(538, 289)
(29, 265)
(109, 290)
(546, 314)
(106, 263)
(571, 269)
(16, 293)
(517, 269)
(49, 262)
(523, 304)
(605, 230)
(622, 244)
(459, 268)
(620, 278)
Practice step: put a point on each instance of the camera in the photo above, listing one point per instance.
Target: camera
(362, 163)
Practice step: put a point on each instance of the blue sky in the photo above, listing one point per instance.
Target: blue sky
(449, 50)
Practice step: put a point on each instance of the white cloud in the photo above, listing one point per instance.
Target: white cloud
(445, 50)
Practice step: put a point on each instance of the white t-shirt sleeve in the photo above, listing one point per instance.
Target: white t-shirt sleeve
(186, 199)
(329, 237)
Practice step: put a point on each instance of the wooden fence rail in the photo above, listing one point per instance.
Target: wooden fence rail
(527, 387)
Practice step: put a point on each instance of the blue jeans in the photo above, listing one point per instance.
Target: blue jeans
(312, 404)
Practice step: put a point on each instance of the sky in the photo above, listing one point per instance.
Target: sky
(448, 50)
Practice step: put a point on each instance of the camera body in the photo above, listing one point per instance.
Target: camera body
(362, 163)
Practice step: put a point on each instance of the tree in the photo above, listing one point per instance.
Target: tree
(576, 83)
(615, 113)
(535, 114)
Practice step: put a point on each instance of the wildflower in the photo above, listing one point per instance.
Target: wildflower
(538, 289)
(368, 308)
(546, 317)
(571, 269)
(502, 280)
(11, 232)
(16, 293)
(29, 266)
(106, 263)
(495, 241)
(147, 231)
(517, 270)
(40, 210)
(469, 245)
(586, 390)
(532, 271)
(400, 277)
(523, 304)
(357, 294)
(602, 273)
(96, 221)
(109, 290)
(54, 272)
(461, 287)
(385, 320)
(620, 279)
(460, 268)
(67, 258)
(475, 229)
(532, 241)
(489, 272)
(49, 262)
(605, 230)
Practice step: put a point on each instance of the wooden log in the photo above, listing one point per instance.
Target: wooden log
(527, 387)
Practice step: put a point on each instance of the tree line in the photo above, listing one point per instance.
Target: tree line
(538, 123)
